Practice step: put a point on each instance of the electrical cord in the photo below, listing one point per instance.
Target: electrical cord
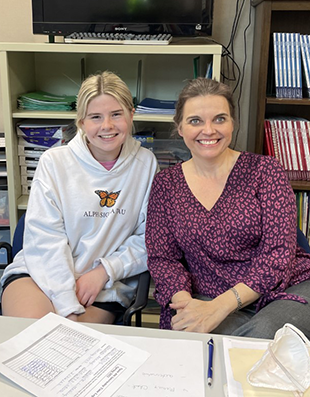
(235, 73)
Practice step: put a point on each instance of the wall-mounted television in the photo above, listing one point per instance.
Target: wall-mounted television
(177, 17)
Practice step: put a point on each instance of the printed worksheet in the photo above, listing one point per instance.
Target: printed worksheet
(58, 357)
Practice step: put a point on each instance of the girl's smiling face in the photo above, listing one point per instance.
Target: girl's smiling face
(207, 126)
(106, 126)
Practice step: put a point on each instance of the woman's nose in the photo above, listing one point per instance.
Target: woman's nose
(208, 128)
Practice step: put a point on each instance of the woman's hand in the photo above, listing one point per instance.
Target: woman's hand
(197, 316)
(90, 284)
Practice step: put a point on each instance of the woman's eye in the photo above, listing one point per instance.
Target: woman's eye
(194, 121)
(220, 119)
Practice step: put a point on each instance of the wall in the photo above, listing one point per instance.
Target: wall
(16, 26)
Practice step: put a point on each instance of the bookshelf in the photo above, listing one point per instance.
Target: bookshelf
(274, 16)
(59, 68)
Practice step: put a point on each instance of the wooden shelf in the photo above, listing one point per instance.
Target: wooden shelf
(274, 16)
(288, 101)
(24, 114)
(300, 185)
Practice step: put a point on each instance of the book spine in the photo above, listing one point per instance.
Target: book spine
(284, 65)
(306, 66)
(300, 150)
(292, 147)
(283, 145)
(288, 46)
(307, 48)
(306, 126)
(278, 64)
(267, 143)
(298, 69)
(293, 63)
(275, 141)
(304, 213)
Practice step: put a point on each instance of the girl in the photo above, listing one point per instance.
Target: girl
(85, 221)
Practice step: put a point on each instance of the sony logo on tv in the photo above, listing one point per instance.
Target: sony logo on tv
(120, 28)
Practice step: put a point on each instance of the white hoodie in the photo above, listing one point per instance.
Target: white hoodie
(69, 228)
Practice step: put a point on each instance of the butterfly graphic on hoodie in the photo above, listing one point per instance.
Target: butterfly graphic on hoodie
(107, 199)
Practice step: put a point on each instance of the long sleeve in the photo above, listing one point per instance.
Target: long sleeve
(46, 250)
(164, 253)
(272, 265)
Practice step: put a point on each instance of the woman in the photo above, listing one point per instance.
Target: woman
(232, 217)
(85, 221)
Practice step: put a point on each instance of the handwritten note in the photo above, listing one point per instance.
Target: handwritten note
(175, 368)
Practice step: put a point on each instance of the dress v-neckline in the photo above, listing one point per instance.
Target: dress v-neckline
(233, 170)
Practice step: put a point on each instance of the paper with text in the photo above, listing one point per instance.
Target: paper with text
(58, 357)
(175, 369)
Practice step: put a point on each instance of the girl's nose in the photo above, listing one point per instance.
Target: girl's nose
(106, 123)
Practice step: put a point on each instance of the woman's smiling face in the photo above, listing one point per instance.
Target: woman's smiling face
(207, 126)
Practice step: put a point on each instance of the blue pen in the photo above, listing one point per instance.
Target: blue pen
(210, 364)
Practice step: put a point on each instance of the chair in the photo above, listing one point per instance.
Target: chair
(302, 241)
(138, 303)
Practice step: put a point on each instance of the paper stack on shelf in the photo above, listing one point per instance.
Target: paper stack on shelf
(40, 100)
(170, 152)
(34, 139)
(156, 106)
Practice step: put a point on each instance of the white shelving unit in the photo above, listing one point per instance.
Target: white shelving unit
(59, 68)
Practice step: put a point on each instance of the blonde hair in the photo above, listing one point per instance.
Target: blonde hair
(202, 87)
(98, 84)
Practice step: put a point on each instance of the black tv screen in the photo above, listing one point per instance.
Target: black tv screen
(177, 17)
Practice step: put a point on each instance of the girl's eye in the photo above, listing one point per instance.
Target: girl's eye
(94, 117)
(117, 114)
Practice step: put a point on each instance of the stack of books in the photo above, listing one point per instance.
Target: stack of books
(291, 64)
(156, 106)
(33, 140)
(40, 100)
(303, 212)
(288, 139)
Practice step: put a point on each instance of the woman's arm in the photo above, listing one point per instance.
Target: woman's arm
(272, 266)
(164, 254)
(195, 315)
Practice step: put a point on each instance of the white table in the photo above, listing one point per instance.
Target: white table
(10, 326)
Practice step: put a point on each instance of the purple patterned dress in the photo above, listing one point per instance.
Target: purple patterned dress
(249, 235)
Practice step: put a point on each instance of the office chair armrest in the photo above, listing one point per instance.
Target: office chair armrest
(8, 249)
(140, 300)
